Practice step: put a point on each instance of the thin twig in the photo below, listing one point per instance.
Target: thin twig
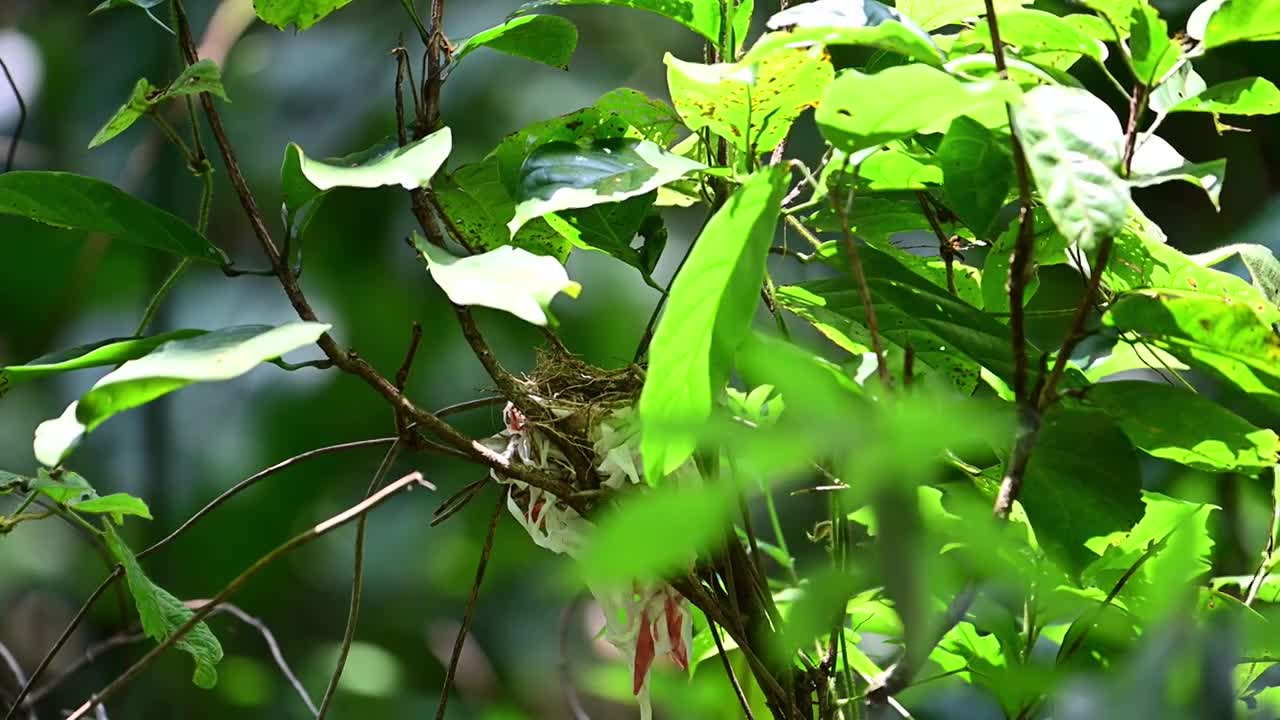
(357, 584)
(944, 242)
(19, 679)
(457, 501)
(1076, 331)
(22, 118)
(93, 653)
(413, 478)
(1268, 555)
(272, 646)
(864, 292)
(728, 670)
(469, 613)
(469, 405)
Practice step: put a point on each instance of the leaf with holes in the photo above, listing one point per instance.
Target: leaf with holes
(708, 315)
(548, 39)
(508, 279)
(861, 111)
(77, 202)
(1074, 145)
(565, 176)
(754, 101)
(218, 355)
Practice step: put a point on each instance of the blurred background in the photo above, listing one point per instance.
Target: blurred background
(330, 90)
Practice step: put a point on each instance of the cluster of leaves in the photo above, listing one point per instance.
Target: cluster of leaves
(941, 393)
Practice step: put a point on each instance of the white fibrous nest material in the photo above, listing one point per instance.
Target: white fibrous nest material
(644, 621)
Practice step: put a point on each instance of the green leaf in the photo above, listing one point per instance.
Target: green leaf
(1246, 96)
(1177, 424)
(548, 39)
(1240, 21)
(565, 176)
(477, 206)
(1036, 31)
(161, 613)
(1048, 247)
(613, 228)
(1074, 144)
(708, 314)
(700, 16)
(861, 111)
(1156, 161)
(933, 14)
(64, 487)
(634, 543)
(112, 351)
(977, 171)
(1259, 260)
(868, 23)
(217, 355)
(82, 203)
(135, 107)
(821, 601)
(754, 101)
(1118, 15)
(1152, 54)
(1225, 338)
(303, 13)
(1071, 495)
(199, 77)
(508, 279)
(116, 504)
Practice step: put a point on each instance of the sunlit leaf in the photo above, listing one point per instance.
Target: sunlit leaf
(116, 504)
(135, 107)
(1259, 260)
(1177, 424)
(754, 101)
(1156, 161)
(82, 203)
(933, 14)
(302, 13)
(112, 351)
(1237, 21)
(1073, 145)
(478, 207)
(508, 279)
(1246, 96)
(867, 23)
(861, 111)
(217, 355)
(708, 314)
(547, 39)
(1036, 31)
(701, 16)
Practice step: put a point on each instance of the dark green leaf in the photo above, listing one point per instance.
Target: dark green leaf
(478, 206)
(199, 77)
(977, 170)
(1048, 247)
(1073, 145)
(218, 355)
(303, 13)
(161, 613)
(547, 39)
(1153, 54)
(1083, 481)
(819, 608)
(83, 203)
(861, 111)
(613, 229)
(708, 314)
(1177, 424)
(700, 16)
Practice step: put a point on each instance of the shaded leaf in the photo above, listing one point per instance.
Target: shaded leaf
(700, 16)
(977, 172)
(565, 176)
(478, 206)
(1152, 53)
(1048, 247)
(1184, 83)
(1073, 145)
(112, 351)
(861, 111)
(708, 314)
(1156, 161)
(613, 229)
(1177, 424)
(548, 39)
(218, 355)
(508, 279)
(303, 13)
(77, 202)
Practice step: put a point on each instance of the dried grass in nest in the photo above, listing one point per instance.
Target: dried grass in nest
(565, 384)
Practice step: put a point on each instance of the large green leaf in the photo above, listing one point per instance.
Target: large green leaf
(1037, 31)
(1259, 260)
(708, 314)
(477, 207)
(566, 176)
(754, 101)
(1083, 481)
(977, 171)
(1246, 96)
(1177, 424)
(1237, 21)
(83, 203)
(1223, 337)
(613, 229)
(1048, 247)
(548, 39)
(867, 23)
(112, 351)
(508, 279)
(633, 543)
(303, 13)
(1152, 53)
(217, 355)
(700, 16)
(411, 167)
(161, 613)
(933, 14)
(1074, 144)
(861, 111)
(1156, 161)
